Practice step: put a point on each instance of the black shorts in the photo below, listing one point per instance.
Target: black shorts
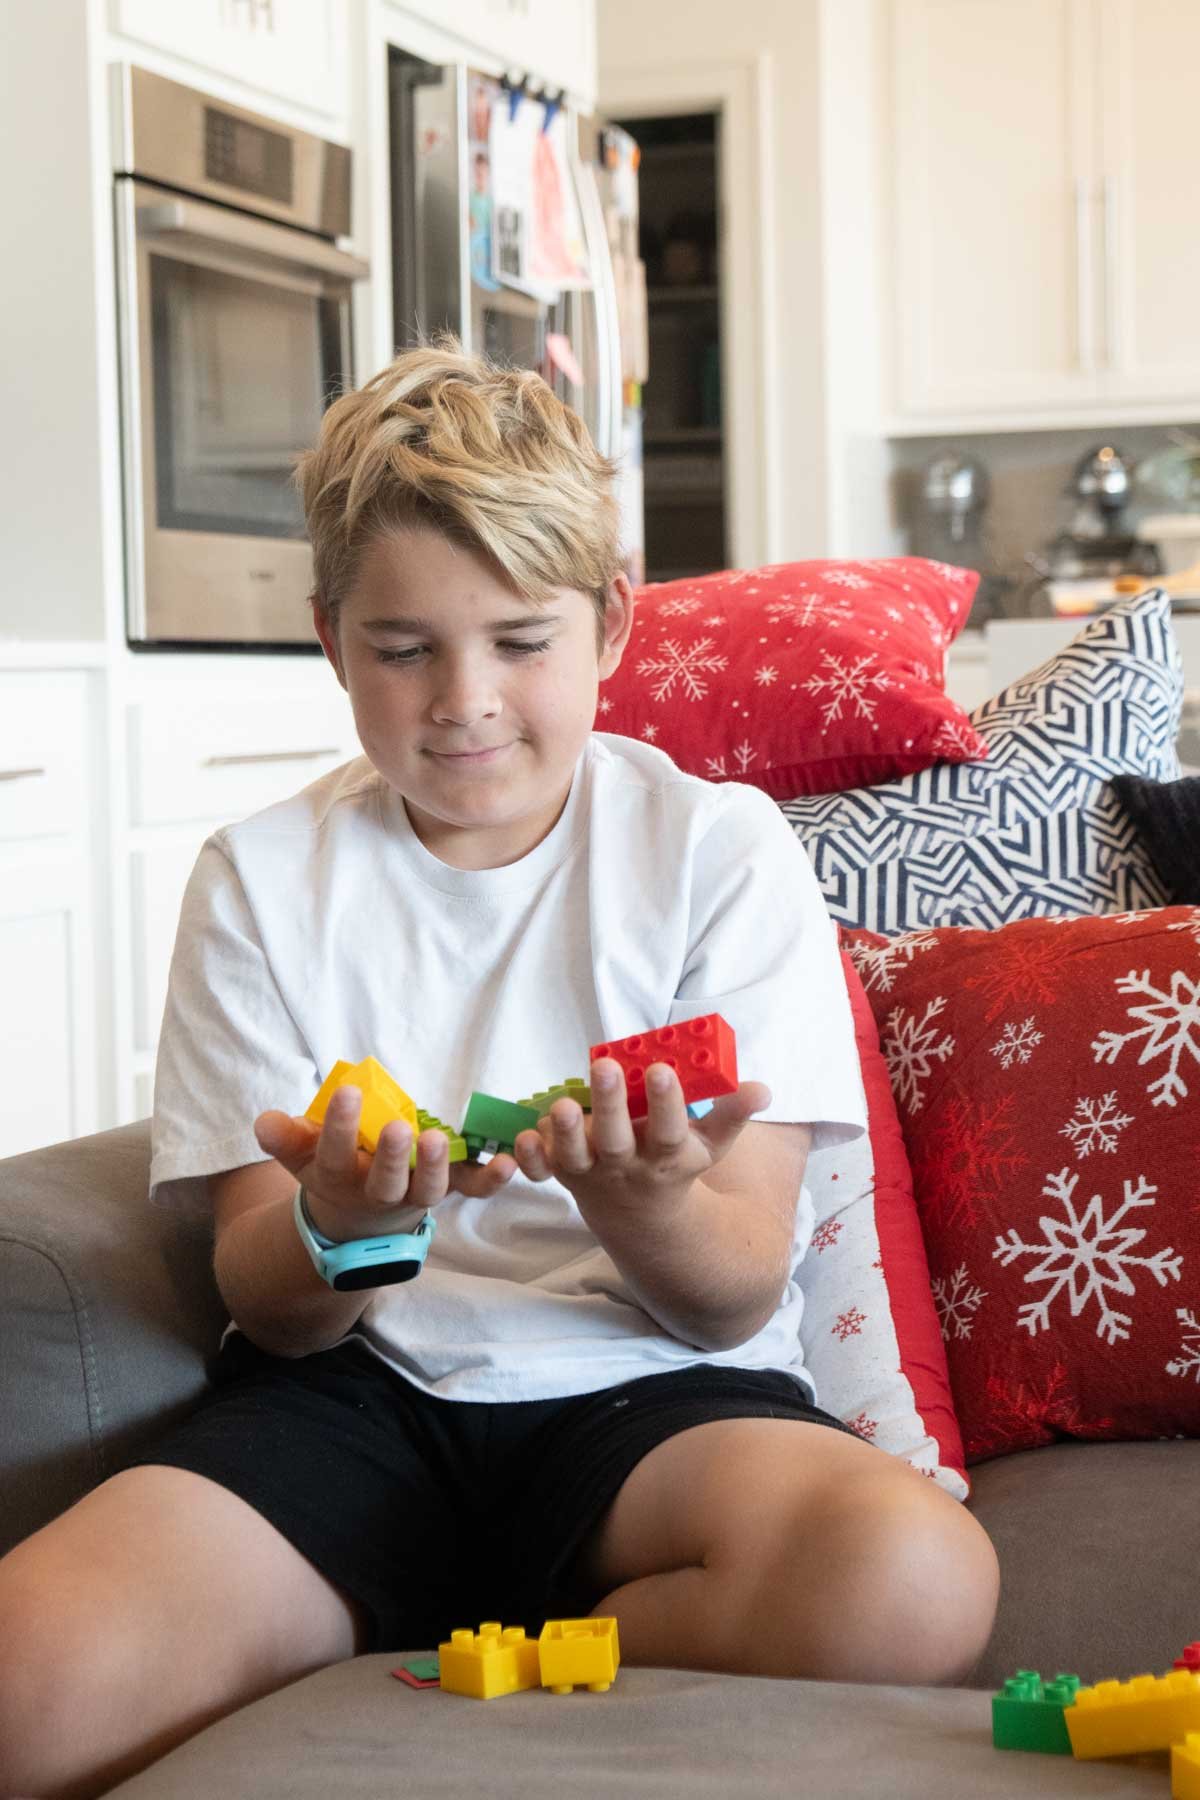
(433, 1514)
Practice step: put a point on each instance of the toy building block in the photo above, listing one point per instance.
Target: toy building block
(1190, 1658)
(427, 1122)
(496, 1660)
(1123, 1718)
(383, 1099)
(1027, 1714)
(493, 1124)
(581, 1652)
(573, 1088)
(699, 1109)
(1185, 1768)
(418, 1672)
(702, 1052)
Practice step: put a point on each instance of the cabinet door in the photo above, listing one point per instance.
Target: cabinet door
(293, 48)
(552, 41)
(47, 1055)
(994, 205)
(1151, 249)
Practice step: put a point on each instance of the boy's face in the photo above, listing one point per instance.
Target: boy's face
(471, 701)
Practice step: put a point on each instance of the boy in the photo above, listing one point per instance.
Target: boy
(591, 1397)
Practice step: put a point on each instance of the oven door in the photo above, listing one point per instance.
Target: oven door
(235, 336)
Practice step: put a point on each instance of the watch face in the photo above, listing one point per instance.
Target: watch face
(380, 1274)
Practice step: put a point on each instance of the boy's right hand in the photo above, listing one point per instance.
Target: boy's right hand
(352, 1194)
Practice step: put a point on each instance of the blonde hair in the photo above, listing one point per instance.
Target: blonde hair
(489, 456)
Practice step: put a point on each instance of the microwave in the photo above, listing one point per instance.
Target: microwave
(234, 317)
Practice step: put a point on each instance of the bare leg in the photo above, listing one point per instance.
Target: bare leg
(773, 1547)
(157, 1604)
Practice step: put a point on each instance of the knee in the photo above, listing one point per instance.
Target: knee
(924, 1572)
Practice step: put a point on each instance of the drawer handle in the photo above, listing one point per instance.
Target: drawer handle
(19, 774)
(268, 756)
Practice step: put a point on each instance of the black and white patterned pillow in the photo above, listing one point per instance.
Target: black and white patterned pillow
(1035, 830)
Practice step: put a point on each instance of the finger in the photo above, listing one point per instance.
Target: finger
(667, 1126)
(730, 1114)
(570, 1150)
(336, 1159)
(481, 1180)
(292, 1142)
(532, 1153)
(612, 1130)
(387, 1179)
(427, 1183)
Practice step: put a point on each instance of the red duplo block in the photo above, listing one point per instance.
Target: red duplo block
(702, 1052)
(1190, 1658)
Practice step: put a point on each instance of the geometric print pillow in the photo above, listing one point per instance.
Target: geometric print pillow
(1036, 830)
(1047, 1077)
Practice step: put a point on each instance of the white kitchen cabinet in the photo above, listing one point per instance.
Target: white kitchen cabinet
(293, 49)
(1040, 263)
(48, 1066)
(551, 41)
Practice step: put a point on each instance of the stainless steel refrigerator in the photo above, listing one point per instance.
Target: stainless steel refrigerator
(515, 225)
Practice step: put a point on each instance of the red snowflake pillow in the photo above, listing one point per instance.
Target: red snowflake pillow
(1047, 1076)
(800, 678)
(871, 1338)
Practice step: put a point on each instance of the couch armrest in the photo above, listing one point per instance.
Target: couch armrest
(108, 1311)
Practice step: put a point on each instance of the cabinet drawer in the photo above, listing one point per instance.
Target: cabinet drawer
(42, 755)
(190, 759)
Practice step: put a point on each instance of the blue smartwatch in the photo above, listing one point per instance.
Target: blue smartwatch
(363, 1262)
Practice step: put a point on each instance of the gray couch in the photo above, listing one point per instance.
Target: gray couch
(107, 1312)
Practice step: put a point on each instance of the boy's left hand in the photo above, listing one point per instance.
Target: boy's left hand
(610, 1163)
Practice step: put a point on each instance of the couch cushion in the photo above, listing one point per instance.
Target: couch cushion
(800, 678)
(871, 1337)
(107, 1310)
(353, 1732)
(1099, 1546)
(1167, 817)
(1048, 1082)
(1035, 829)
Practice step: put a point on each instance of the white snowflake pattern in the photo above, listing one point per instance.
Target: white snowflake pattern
(715, 619)
(847, 683)
(949, 572)
(846, 578)
(957, 1300)
(766, 675)
(744, 754)
(650, 733)
(678, 609)
(1089, 1256)
(1170, 1024)
(1017, 1043)
(604, 704)
(879, 964)
(1192, 924)
(810, 609)
(1188, 1360)
(953, 738)
(1096, 1125)
(911, 1046)
(687, 666)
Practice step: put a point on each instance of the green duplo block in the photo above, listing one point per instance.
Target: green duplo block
(428, 1122)
(492, 1121)
(573, 1088)
(1027, 1713)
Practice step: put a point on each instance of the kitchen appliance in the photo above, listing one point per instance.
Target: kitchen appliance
(478, 166)
(949, 525)
(234, 313)
(1081, 566)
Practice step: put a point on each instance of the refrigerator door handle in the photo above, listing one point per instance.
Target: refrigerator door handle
(604, 296)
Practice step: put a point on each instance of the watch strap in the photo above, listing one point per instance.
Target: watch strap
(380, 1261)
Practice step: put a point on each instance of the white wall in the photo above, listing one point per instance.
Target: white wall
(51, 566)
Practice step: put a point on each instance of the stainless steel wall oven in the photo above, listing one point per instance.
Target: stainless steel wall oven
(234, 303)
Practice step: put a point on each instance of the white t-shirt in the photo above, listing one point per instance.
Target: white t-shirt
(322, 928)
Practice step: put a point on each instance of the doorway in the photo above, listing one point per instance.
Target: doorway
(684, 445)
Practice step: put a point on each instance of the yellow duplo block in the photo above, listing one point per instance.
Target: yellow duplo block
(1123, 1718)
(383, 1099)
(1185, 1768)
(496, 1660)
(579, 1652)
